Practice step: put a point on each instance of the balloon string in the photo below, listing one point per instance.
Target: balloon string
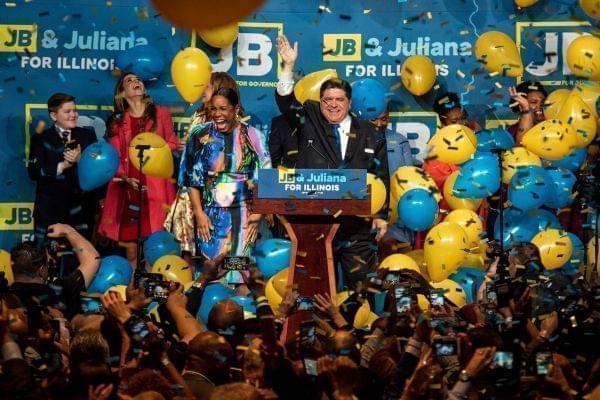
(471, 17)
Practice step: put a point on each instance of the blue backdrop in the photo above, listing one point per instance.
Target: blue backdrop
(71, 46)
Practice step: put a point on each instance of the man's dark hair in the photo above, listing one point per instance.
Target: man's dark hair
(336, 83)
(445, 102)
(57, 100)
(27, 259)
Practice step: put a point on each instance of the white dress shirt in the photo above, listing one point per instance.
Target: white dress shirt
(59, 130)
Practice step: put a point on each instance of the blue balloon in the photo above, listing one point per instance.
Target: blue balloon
(528, 188)
(143, 60)
(246, 303)
(494, 139)
(518, 227)
(577, 258)
(470, 279)
(160, 244)
(479, 177)
(561, 188)
(368, 98)
(98, 165)
(214, 293)
(272, 255)
(573, 160)
(114, 270)
(418, 209)
(544, 219)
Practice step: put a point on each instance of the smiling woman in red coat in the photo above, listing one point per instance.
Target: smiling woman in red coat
(134, 113)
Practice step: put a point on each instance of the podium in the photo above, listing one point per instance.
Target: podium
(309, 203)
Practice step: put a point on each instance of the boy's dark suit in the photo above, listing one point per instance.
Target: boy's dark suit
(59, 199)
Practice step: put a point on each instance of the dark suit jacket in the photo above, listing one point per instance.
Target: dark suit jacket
(59, 198)
(283, 143)
(318, 148)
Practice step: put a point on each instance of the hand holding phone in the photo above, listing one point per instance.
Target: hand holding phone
(305, 303)
(436, 298)
(157, 288)
(445, 346)
(236, 263)
(403, 298)
(543, 359)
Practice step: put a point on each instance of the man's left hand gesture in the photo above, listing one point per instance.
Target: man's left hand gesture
(380, 226)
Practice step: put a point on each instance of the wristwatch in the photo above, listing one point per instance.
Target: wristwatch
(464, 376)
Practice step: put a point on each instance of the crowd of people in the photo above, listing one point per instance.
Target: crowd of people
(526, 331)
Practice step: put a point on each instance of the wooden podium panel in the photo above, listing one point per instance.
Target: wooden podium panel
(311, 225)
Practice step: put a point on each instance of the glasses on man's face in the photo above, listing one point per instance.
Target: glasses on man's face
(330, 101)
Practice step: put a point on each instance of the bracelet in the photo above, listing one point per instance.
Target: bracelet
(530, 111)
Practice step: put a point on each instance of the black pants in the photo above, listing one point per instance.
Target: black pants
(355, 249)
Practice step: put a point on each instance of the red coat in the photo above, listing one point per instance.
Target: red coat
(161, 192)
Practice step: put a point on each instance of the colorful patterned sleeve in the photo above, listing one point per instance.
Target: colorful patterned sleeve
(192, 171)
(259, 143)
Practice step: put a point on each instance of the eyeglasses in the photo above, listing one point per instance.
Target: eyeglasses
(330, 100)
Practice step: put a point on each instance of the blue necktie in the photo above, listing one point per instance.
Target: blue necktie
(336, 133)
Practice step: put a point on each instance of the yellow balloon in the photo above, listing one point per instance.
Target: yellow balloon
(158, 159)
(341, 297)
(418, 74)
(591, 251)
(419, 256)
(583, 57)
(309, 86)
(280, 281)
(577, 114)
(446, 246)
(6, 267)
(515, 158)
(554, 103)
(190, 71)
(476, 257)
(378, 193)
(221, 36)
(173, 268)
(452, 291)
(551, 139)
(525, 3)
(409, 177)
(470, 222)
(555, 248)
(273, 298)
(591, 7)
(455, 202)
(200, 15)
(589, 91)
(121, 289)
(453, 144)
(499, 54)
(396, 262)
(423, 302)
(363, 318)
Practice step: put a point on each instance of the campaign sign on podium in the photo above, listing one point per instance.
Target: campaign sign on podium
(310, 204)
(285, 183)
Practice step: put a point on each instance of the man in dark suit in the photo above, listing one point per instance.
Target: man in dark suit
(283, 143)
(329, 137)
(53, 159)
